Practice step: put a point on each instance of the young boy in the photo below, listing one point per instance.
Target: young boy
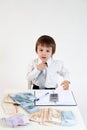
(44, 71)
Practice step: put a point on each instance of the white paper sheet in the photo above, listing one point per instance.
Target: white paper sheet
(65, 97)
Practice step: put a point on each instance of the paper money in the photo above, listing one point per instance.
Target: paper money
(51, 116)
(9, 108)
(46, 115)
(8, 99)
(68, 118)
(26, 101)
(14, 121)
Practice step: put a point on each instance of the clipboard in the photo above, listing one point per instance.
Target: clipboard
(63, 98)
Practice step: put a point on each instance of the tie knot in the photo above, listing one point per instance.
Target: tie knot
(46, 64)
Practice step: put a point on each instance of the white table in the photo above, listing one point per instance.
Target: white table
(79, 125)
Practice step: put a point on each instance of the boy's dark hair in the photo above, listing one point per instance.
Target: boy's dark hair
(47, 41)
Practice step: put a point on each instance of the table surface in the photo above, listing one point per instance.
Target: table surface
(79, 121)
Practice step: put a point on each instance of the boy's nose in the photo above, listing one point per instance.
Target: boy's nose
(43, 54)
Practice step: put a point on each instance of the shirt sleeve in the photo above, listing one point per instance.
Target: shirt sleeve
(33, 72)
(64, 72)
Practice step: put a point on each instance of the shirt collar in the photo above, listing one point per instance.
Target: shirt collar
(48, 62)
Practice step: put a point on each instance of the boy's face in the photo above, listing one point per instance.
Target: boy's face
(44, 52)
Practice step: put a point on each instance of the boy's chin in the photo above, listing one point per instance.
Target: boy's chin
(43, 60)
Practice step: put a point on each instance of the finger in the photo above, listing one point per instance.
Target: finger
(62, 84)
(65, 87)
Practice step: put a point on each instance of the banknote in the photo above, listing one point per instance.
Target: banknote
(14, 121)
(46, 116)
(25, 100)
(68, 118)
(9, 108)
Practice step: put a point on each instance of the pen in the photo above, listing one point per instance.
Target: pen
(37, 99)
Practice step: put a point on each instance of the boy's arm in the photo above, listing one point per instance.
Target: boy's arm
(66, 78)
(33, 72)
(64, 73)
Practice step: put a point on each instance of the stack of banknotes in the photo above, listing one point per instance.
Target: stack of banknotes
(25, 100)
(15, 121)
(50, 116)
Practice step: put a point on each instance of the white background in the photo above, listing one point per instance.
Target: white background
(23, 21)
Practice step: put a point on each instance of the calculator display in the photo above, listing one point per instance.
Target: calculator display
(54, 97)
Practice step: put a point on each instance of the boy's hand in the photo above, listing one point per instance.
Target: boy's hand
(65, 85)
(41, 66)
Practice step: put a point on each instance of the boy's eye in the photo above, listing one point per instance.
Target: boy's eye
(48, 51)
(41, 50)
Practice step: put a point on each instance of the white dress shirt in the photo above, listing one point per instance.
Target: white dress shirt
(55, 69)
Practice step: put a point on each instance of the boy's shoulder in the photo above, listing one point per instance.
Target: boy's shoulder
(56, 61)
(35, 61)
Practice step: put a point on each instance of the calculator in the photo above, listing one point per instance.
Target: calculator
(54, 97)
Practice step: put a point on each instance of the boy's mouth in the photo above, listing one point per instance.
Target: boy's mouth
(43, 57)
